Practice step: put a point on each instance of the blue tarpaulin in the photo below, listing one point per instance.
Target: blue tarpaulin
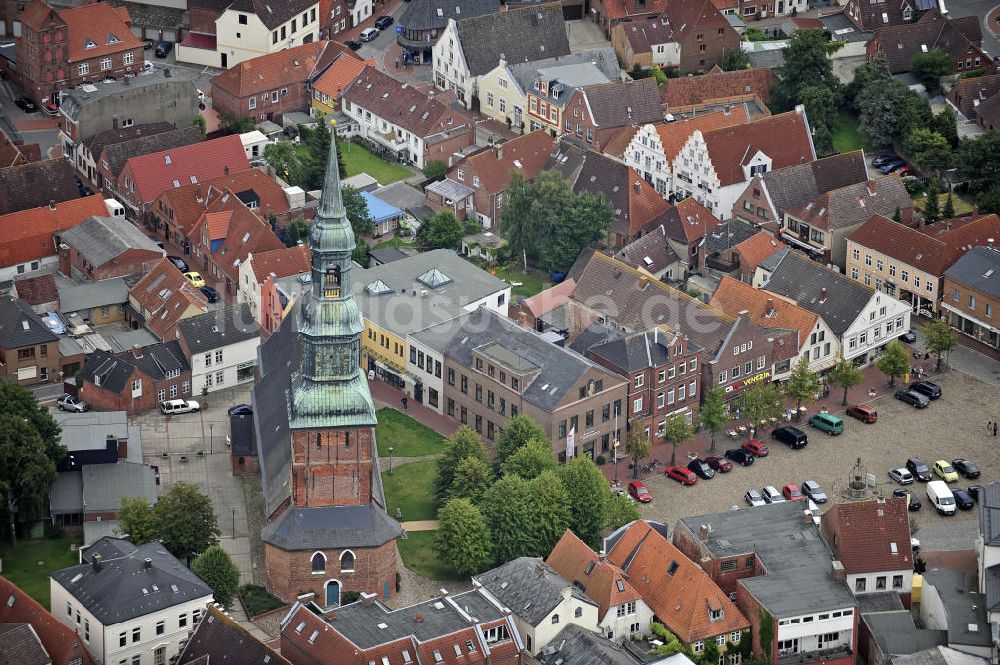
(379, 210)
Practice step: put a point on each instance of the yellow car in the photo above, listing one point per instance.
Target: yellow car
(945, 471)
(195, 278)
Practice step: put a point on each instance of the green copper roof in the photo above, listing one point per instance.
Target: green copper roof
(318, 405)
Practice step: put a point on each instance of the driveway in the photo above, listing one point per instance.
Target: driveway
(954, 426)
(585, 35)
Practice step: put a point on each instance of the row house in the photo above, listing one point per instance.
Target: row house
(817, 342)
(960, 38)
(268, 86)
(217, 636)
(494, 369)
(663, 375)
(646, 43)
(88, 152)
(66, 48)
(328, 87)
(862, 319)
(909, 263)
(972, 295)
(136, 380)
(108, 163)
(818, 623)
(735, 248)
(768, 195)
(600, 112)
(653, 148)
(59, 642)
(37, 184)
(611, 13)
(29, 351)
(691, 94)
(714, 166)
(869, 16)
(143, 179)
(685, 227)
(977, 100)
(469, 48)
(221, 348)
(421, 23)
(270, 283)
(822, 225)
(736, 352)
(758, 9)
(654, 254)
(101, 248)
(403, 123)
(162, 298)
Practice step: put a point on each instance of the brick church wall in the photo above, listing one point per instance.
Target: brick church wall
(290, 573)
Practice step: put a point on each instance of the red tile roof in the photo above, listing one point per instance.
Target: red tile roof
(549, 299)
(60, 641)
(165, 297)
(756, 248)
(218, 223)
(627, 9)
(241, 233)
(766, 309)
(528, 154)
(863, 535)
(678, 591)
(37, 290)
(98, 23)
(281, 68)
(673, 135)
(284, 262)
(606, 584)
(27, 235)
(158, 171)
(693, 91)
(784, 138)
(340, 74)
(689, 221)
(694, 15)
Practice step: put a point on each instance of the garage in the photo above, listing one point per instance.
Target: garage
(573, 12)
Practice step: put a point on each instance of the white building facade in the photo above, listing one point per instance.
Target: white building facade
(451, 70)
(882, 320)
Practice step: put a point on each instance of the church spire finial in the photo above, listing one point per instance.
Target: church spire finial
(331, 205)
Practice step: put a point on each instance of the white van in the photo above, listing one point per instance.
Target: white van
(172, 406)
(941, 497)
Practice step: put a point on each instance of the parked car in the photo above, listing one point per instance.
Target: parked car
(912, 502)
(352, 44)
(945, 471)
(147, 44)
(791, 436)
(771, 494)
(637, 490)
(901, 476)
(966, 468)
(174, 406)
(828, 423)
(369, 34)
(976, 492)
(240, 410)
(719, 464)
(906, 171)
(909, 337)
(681, 474)
(195, 278)
(941, 497)
(963, 500)
(863, 412)
(740, 456)
(383, 22)
(162, 49)
(86, 191)
(701, 469)
(913, 398)
(754, 498)
(25, 104)
(792, 493)
(919, 470)
(812, 490)
(72, 403)
(210, 293)
(755, 447)
(889, 167)
(928, 389)
(178, 262)
(882, 160)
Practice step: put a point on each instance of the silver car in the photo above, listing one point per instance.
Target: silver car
(901, 476)
(70, 403)
(772, 495)
(754, 498)
(812, 490)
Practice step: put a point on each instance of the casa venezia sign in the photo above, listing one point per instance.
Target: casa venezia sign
(757, 378)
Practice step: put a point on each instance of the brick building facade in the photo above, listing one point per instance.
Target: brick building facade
(135, 381)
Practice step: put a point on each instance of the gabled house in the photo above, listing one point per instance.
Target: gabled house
(768, 195)
(218, 637)
(541, 601)
(89, 151)
(863, 320)
(113, 156)
(872, 540)
(39, 291)
(689, 94)
(645, 43)
(961, 38)
(735, 248)
(755, 9)
(327, 88)
(220, 347)
(702, 33)
(87, 496)
(36, 631)
(977, 100)
(36, 184)
(822, 225)
(423, 22)
(97, 303)
(654, 254)
(101, 248)
(162, 298)
(470, 47)
(685, 226)
(622, 613)
(871, 16)
(270, 283)
(601, 111)
(971, 295)
(137, 380)
(611, 13)
(29, 351)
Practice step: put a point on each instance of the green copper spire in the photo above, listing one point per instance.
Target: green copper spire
(329, 389)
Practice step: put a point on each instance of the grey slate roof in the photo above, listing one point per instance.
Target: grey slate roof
(431, 14)
(939, 655)
(85, 431)
(74, 100)
(593, 335)
(66, 494)
(400, 194)
(897, 635)
(771, 262)
(993, 588)
(636, 351)
(802, 280)
(217, 638)
(20, 326)
(104, 293)
(798, 184)
(796, 557)
(104, 485)
(727, 235)
(649, 252)
(989, 515)
(103, 239)
(624, 103)
(271, 13)
(20, 645)
(387, 254)
(214, 330)
(112, 371)
(574, 645)
(96, 143)
(123, 588)
(331, 527)
(963, 606)
(529, 587)
(525, 73)
(119, 153)
(518, 35)
(978, 269)
(883, 601)
(36, 184)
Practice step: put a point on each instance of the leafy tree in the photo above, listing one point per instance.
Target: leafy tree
(360, 255)
(621, 511)
(949, 206)
(979, 161)
(297, 231)
(671, 645)
(930, 66)
(582, 222)
(802, 384)
(637, 447)
(516, 223)
(845, 375)
(940, 338)
(137, 520)
(26, 469)
(218, 571)
(944, 123)
(677, 432)
(230, 124)
(746, 645)
(505, 507)
(518, 431)
(659, 75)
(807, 63)
(186, 521)
(549, 511)
(463, 540)
(760, 403)
(929, 150)
(932, 208)
(472, 478)
(530, 460)
(894, 361)
(710, 653)
(766, 636)
(463, 443)
(588, 495)
(435, 169)
(442, 230)
(284, 159)
(357, 211)
(879, 99)
(990, 201)
(713, 415)
(16, 400)
(199, 122)
(821, 106)
(914, 112)
(734, 59)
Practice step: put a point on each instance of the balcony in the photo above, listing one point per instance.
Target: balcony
(819, 655)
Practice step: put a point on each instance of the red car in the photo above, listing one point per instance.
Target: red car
(863, 412)
(637, 490)
(720, 464)
(681, 474)
(792, 493)
(756, 448)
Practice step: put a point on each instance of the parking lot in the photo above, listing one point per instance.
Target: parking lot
(951, 427)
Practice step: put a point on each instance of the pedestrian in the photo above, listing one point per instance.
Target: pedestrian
(994, 429)
(405, 402)
(989, 427)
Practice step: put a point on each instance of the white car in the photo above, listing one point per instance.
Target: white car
(148, 66)
(70, 403)
(754, 498)
(772, 495)
(174, 406)
(369, 34)
(901, 476)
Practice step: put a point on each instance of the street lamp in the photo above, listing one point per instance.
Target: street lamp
(234, 521)
(390, 459)
(616, 460)
(211, 427)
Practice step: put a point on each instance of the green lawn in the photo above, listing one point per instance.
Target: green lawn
(962, 205)
(257, 600)
(29, 564)
(358, 159)
(395, 241)
(410, 488)
(407, 437)
(532, 283)
(417, 550)
(846, 135)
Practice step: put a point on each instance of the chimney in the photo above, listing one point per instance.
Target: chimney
(638, 187)
(147, 563)
(330, 615)
(367, 599)
(137, 351)
(96, 563)
(225, 169)
(770, 306)
(567, 593)
(703, 533)
(837, 571)
(822, 294)
(602, 555)
(989, 243)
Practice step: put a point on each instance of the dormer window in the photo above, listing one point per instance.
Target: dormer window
(89, 43)
(714, 614)
(113, 38)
